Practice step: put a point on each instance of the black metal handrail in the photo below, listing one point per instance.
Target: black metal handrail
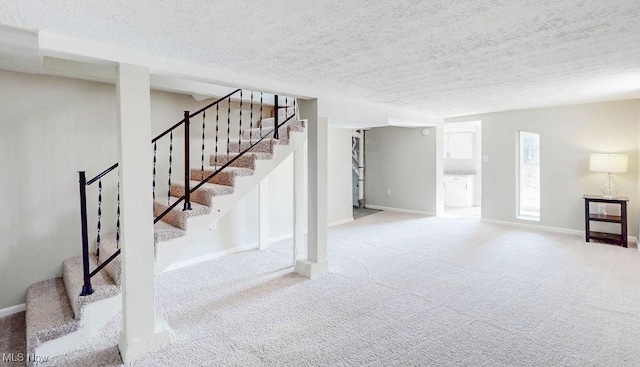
(186, 198)
(204, 181)
(102, 174)
(87, 289)
(193, 115)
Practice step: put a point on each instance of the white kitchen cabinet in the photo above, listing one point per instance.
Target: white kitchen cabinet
(458, 145)
(458, 190)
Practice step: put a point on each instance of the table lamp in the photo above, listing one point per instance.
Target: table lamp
(608, 163)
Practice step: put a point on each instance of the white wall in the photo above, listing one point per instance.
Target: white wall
(340, 180)
(52, 127)
(568, 135)
(404, 161)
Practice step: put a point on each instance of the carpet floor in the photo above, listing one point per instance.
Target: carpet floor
(403, 290)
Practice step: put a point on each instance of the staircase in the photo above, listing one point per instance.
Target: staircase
(59, 319)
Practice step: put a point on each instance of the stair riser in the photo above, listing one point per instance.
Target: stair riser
(222, 178)
(254, 134)
(203, 197)
(176, 217)
(113, 268)
(244, 161)
(265, 146)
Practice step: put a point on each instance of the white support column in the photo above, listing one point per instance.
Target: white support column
(263, 214)
(141, 331)
(298, 201)
(316, 263)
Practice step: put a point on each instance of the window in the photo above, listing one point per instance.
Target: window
(528, 175)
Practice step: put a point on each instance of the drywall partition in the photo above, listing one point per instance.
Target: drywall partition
(339, 187)
(339, 166)
(400, 172)
(568, 135)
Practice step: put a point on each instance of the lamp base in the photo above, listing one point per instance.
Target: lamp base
(609, 188)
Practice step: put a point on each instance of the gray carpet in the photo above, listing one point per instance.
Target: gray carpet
(12, 336)
(403, 290)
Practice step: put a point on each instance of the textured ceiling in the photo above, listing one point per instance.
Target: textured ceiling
(444, 57)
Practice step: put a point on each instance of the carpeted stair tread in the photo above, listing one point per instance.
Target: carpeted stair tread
(49, 313)
(254, 134)
(265, 145)
(177, 217)
(225, 177)
(163, 231)
(73, 276)
(269, 122)
(204, 194)
(247, 160)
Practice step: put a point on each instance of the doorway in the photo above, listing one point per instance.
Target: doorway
(463, 169)
(357, 175)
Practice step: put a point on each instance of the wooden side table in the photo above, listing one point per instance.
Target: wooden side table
(619, 239)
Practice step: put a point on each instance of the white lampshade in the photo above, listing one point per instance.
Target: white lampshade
(610, 163)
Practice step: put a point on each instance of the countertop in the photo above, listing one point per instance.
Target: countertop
(460, 172)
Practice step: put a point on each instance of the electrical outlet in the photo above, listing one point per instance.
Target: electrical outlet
(485, 159)
(388, 192)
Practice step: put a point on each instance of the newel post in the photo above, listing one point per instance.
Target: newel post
(276, 134)
(86, 287)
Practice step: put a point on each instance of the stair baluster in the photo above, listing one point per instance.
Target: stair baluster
(155, 161)
(170, 162)
(204, 115)
(187, 164)
(99, 217)
(240, 126)
(275, 118)
(261, 116)
(228, 126)
(251, 120)
(215, 160)
(118, 215)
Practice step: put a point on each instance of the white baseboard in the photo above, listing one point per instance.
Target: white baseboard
(399, 210)
(12, 310)
(534, 226)
(339, 222)
(280, 238)
(211, 256)
(235, 250)
(576, 232)
(290, 235)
